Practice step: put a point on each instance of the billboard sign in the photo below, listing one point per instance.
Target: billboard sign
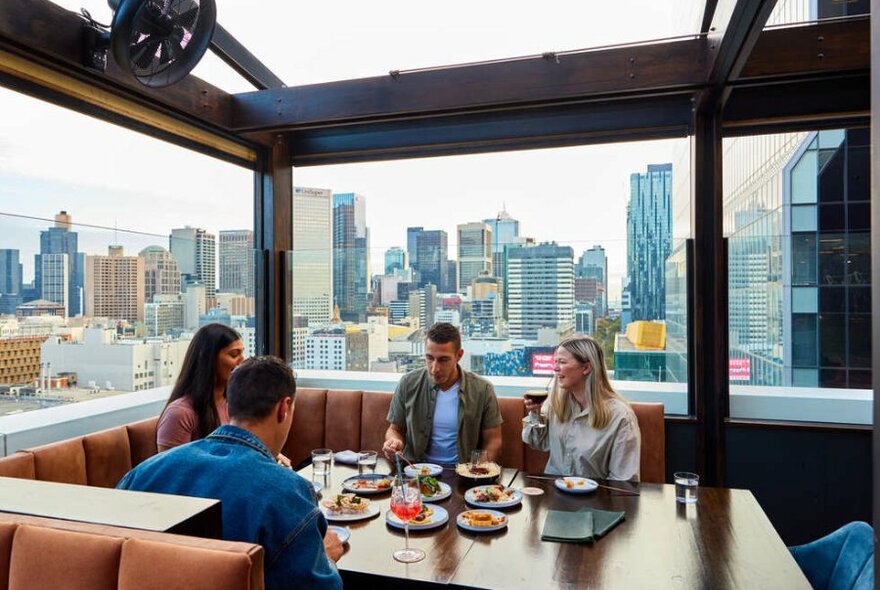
(740, 369)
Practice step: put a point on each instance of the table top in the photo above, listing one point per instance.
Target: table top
(137, 510)
(723, 541)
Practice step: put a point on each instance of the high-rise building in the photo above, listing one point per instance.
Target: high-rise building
(164, 314)
(114, 286)
(161, 272)
(351, 254)
(412, 234)
(311, 263)
(541, 289)
(59, 239)
(505, 230)
(594, 264)
(396, 258)
(236, 261)
(432, 259)
(474, 252)
(195, 250)
(10, 281)
(54, 278)
(649, 240)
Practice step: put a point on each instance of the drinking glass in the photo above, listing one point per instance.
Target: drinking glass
(406, 503)
(479, 457)
(686, 487)
(367, 460)
(537, 396)
(321, 463)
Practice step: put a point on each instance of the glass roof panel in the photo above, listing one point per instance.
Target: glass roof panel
(306, 43)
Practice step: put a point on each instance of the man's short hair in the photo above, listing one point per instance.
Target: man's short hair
(256, 385)
(442, 332)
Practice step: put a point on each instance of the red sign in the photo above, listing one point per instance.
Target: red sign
(542, 363)
(740, 369)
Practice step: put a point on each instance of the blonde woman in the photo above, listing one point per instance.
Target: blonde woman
(590, 430)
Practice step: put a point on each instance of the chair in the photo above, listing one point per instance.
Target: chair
(842, 560)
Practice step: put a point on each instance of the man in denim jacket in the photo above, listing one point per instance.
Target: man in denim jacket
(261, 501)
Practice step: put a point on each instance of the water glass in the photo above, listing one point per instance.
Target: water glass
(479, 457)
(367, 460)
(686, 487)
(321, 462)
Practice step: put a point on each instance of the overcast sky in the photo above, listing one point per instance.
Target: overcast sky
(112, 177)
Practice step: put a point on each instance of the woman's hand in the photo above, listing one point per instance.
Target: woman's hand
(531, 406)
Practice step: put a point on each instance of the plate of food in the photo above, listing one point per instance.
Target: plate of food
(433, 490)
(576, 485)
(346, 507)
(369, 483)
(480, 521)
(430, 517)
(423, 469)
(483, 473)
(342, 532)
(493, 496)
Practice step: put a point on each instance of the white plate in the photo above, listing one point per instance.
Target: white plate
(439, 518)
(349, 484)
(342, 532)
(318, 486)
(469, 497)
(445, 492)
(580, 485)
(481, 529)
(430, 469)
(371, 511)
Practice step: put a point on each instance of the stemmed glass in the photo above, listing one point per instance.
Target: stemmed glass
(537, 396)
(406, 503)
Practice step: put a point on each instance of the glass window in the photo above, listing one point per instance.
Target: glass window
(803, 218)
(805, 377)
(831, 218)
(804, 340)
(803, 255)
(832, 339)
(860, 340)
(858, 265)
(832, 259)
(831, 165)
(803, 179)
(804, 300)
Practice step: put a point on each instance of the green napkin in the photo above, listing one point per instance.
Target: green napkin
(584, 526)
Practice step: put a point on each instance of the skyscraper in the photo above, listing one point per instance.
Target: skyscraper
(412, 234)
(541, 289)
(196, 253)
(505, 230)
(236, 261)
(594, 264)
(649, 240)
(10, 281)
(350, 256)
(432, 258)
(59, 239)
(311, 263)
(474, 252)
(161, 272)
(114, 286)
(395, 259)
(54, 278)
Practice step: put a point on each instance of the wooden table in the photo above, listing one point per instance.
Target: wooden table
(723, 541)
(183, 515)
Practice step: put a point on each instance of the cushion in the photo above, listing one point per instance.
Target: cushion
(512, 411)
(7, 532)
(342, 426)
(62, 462)
(108, 457)
(652, 425)
(307, 430)
(142, 440)
(20, 465)
(374, 411)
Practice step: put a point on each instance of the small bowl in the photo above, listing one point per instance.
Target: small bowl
(464, 472)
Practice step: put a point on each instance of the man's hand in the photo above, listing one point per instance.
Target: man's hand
(333, 546)
(391, 447)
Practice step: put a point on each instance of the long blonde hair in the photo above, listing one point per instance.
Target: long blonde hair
(586, 350)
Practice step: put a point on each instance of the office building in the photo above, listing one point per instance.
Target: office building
(60, 239)
(351, 251)
(474, 252)
(311, 260)
(593, 263)
(164, 315)
(54, 278)
(114, 286)
(161, 272)
(10, 281)
(649, 240)
(396, 259)
(432, 259)
(505, 230)
(541, 289)
(195, 250)
(237, 261)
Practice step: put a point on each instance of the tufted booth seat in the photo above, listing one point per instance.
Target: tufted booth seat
(48, 553)
(345, 419)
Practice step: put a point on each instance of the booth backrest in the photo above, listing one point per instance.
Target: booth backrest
(97, 459)
(48, 553)
(355, 420)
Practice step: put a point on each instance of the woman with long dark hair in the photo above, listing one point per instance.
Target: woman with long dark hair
(589, 429)
(198, 401)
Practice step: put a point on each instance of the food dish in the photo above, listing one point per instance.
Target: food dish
(345, 507)
(430, 517)
(433, 490)
(493, 496)
(485, 473)
(423, 469)
(479, 521)
(369, 483)
(342, 532)
(576, 485)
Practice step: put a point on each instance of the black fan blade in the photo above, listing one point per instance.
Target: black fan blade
(170, 52)
(188, 19)
(143, 52)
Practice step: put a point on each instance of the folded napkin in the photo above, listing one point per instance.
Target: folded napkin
(346, 457)
(584, 526)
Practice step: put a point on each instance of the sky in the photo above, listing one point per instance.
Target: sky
(114, 178)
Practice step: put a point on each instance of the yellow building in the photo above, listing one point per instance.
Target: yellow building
(20, 359)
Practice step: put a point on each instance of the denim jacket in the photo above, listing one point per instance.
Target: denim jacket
(261, 502)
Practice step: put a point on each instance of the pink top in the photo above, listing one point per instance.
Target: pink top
(179, 422)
